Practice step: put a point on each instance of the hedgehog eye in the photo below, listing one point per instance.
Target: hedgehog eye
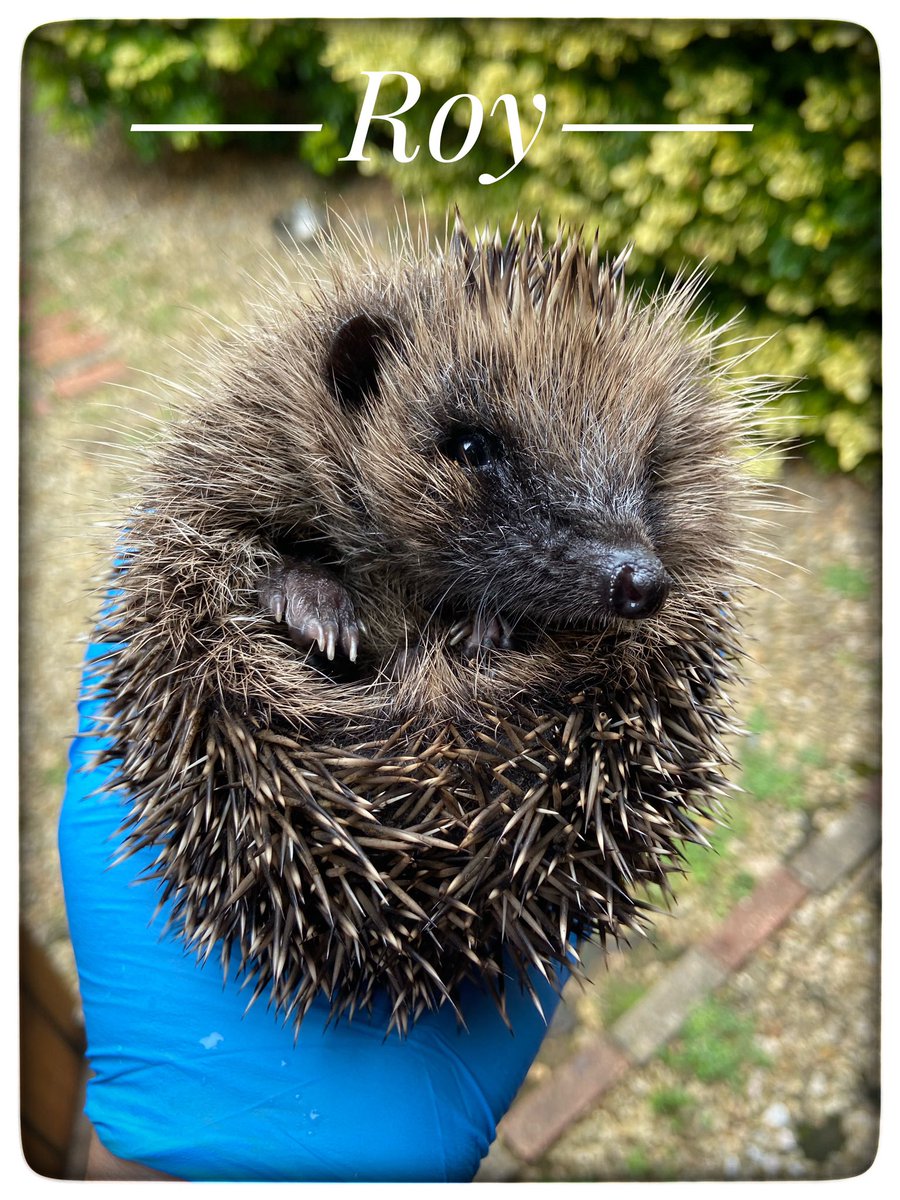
(471, 448)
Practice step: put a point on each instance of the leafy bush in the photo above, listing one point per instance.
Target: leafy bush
(786, 217)
(191, 71)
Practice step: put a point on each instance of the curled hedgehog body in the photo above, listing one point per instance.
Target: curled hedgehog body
(424, 623)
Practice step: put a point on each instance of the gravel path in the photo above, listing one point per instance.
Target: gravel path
(777, 1076)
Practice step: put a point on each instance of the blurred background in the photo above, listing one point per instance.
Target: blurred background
(136, 247)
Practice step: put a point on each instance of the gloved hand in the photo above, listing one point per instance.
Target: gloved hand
(186, 1083)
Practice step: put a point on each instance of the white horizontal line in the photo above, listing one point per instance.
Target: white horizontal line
(655, 128)
(225, 128)
(605, 128)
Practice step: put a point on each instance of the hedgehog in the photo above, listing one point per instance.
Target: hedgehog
(426, 621)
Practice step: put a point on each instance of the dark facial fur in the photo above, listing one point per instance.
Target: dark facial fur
(517, 487)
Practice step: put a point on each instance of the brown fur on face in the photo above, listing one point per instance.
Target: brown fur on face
(472, 434)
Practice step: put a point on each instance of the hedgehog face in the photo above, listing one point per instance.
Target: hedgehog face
(485, 508)
(537, 537)
(530, 557)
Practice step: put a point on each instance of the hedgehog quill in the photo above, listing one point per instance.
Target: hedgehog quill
(425, 622)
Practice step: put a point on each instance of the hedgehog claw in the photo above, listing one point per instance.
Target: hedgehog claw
(314, 632)
(271, 596)
(315, 606)
(460, 630)
(479, 634)
(330, 641)
(350, 639)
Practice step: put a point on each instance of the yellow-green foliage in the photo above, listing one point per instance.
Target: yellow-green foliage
(206, 71)
(786, 217)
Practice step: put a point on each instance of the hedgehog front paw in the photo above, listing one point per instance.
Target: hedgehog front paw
(315, 606)
(481, 633)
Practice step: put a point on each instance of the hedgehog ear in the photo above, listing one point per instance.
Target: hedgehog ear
(353, 362)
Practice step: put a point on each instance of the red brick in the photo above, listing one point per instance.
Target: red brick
(756, 918)
(48, 326)
(542, 1115)
(49, 350)
(88, 380)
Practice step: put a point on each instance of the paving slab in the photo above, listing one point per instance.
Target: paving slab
(839, 849)
(657, 1016)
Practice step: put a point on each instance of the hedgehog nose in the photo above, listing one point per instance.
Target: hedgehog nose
(639, 584)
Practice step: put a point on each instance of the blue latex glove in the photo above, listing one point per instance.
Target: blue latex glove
(187, 1084)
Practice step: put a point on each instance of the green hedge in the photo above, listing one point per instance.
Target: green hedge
(191, 71)
(786, 217)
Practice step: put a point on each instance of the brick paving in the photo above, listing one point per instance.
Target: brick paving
(56, 340)
(543, 1113)
(574, 1089)
(71, 361)
(756, 918)
(79, 383)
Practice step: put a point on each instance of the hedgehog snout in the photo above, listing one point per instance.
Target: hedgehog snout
(638, 583)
